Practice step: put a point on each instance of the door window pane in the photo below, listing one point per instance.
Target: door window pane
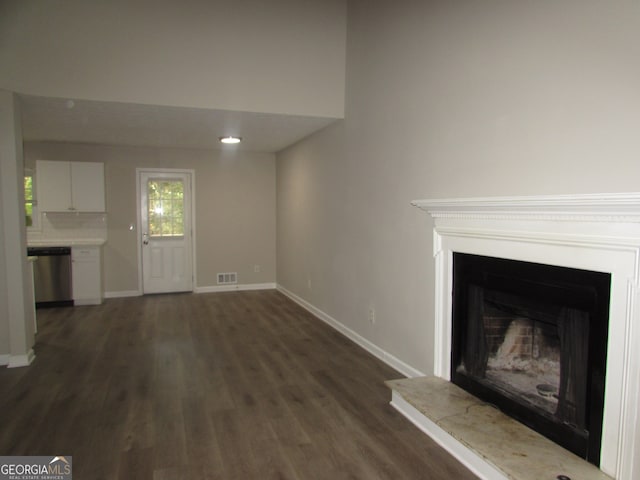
(165, 208)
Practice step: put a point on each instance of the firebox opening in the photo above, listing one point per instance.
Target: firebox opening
(531, 339)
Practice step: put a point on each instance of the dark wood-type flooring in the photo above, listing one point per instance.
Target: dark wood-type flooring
(239, 385)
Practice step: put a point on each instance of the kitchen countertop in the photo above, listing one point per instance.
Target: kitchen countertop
(66, 242)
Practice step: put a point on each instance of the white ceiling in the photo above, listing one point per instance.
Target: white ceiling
(110, 123)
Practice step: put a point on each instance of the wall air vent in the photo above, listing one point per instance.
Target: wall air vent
(227, 278)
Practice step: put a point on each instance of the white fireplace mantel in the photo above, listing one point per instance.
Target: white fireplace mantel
(594, 207)
(598, 232)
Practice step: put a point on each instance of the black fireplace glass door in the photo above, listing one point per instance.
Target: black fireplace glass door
(531, 339)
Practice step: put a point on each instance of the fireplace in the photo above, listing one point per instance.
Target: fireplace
(531, 339)
(581, 233)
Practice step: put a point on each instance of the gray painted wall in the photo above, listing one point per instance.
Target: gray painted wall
(17, 324)
(451, 99)
(281, 56)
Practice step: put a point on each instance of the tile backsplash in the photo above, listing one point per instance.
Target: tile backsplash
(70, 225)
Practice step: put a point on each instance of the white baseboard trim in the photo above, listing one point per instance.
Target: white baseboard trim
(206, 289)
(234, 288)
(386, 357)
(468, 458)
(122, 294)
(21, 360)
(4, 359)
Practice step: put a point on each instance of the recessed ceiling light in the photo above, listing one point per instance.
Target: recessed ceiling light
(230, 140)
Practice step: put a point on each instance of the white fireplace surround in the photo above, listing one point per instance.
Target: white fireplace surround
(598, 232)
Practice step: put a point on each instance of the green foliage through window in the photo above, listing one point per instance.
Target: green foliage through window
(28, 199)
(166, 208)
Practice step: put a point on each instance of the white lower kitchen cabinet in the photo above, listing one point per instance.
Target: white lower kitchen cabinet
(86, 273)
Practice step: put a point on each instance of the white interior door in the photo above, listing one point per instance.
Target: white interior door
(165, 231)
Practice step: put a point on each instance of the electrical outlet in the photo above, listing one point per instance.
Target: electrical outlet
(256, 268)
(309, 283)
(372, 315)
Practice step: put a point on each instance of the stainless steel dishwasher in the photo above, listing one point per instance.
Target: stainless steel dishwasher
(52, 276)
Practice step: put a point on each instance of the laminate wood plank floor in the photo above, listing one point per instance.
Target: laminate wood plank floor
(237, 385)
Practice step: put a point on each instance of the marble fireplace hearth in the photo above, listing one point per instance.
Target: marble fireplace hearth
(491, 444)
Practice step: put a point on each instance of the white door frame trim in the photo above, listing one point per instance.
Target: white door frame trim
(192, 176)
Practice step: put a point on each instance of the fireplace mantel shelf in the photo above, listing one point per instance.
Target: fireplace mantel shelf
(585, 207)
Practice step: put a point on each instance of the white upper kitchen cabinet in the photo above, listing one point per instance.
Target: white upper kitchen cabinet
(70, 186)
